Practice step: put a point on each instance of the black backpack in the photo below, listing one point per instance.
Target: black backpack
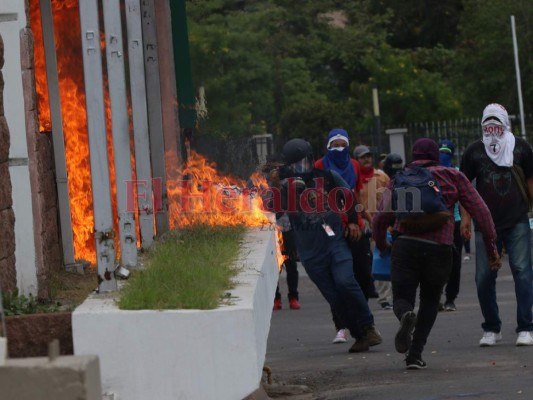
(417, 201)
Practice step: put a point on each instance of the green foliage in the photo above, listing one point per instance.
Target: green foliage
(485, 70)
(407, 91)
(298, 69)
(15, 304)
(189, 269)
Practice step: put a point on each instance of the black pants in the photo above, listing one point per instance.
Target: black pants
(413, 264)
(362, 270)
(452, 287)
(289, 249)
(362, 264)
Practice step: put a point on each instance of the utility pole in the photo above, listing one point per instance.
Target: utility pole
(518, 79)
(377, 121)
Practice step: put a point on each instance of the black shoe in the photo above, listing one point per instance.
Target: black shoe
(414, 362)
(386, 306)
(450, 306)
(403, 338)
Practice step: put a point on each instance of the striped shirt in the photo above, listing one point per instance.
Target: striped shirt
(454, 187)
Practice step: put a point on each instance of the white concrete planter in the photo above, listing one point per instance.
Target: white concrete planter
(186, 354)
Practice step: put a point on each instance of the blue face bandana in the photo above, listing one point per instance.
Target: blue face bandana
(445, 159)
(339, 158)
(340, 162)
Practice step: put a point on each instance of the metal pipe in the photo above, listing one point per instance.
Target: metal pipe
(155, 118)
(96, 123)
(116, 77)
(140, 121)
(65, 217)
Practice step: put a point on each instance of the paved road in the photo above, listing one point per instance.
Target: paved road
(300, 352)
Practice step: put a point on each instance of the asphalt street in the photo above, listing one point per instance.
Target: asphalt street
(305, 364)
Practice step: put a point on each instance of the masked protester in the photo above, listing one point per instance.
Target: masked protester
(314, 200)
(502, 165)
(425, 258)
(393, 163)
(337, 158)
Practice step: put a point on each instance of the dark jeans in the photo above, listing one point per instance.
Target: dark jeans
(452, 287)
(466, 244)
(415, 263)
(289, 249)
(333, 275)
(517, 242)
(362, 269)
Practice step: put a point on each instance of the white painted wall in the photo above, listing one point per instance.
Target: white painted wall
(186, 354)
(12, 20)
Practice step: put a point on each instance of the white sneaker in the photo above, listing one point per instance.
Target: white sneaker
(466, 258)
(524, 339)
(490, 339)
(341, 337)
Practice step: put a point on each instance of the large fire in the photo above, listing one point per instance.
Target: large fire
(198, 194)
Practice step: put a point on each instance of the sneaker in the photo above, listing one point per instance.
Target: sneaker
(403, 338)
(359, 346)
(466, 258)
(524, 339)
(414, 362)
(277, 304)
(294, 304)
(341, 336)
(450, 306)
(490, 339)
(386, 306)
(373, 336)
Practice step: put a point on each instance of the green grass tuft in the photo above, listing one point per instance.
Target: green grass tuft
(189, 269)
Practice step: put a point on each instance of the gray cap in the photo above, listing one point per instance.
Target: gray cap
(360, 151)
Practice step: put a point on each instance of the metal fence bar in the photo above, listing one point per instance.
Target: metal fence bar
(120, 129)
(140, 121)
(155, 115)
(65, 217)
(96, 122)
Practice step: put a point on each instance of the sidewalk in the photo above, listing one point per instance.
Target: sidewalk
(300, 352)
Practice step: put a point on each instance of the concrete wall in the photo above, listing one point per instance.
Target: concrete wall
(65, 378)
(8, 274)
(186, 354)
(31, 168)
(42, 173)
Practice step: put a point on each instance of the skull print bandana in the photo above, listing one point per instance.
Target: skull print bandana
(498, 139)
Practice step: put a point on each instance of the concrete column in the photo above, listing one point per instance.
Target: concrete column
(396, 141)
(64, 378)
(12, 22)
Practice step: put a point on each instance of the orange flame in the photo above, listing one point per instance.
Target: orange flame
(70, 72)
(198, 195)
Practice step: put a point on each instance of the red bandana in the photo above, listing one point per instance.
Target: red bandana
(367, 174)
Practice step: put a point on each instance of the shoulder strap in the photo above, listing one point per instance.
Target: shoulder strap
(520, 178)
